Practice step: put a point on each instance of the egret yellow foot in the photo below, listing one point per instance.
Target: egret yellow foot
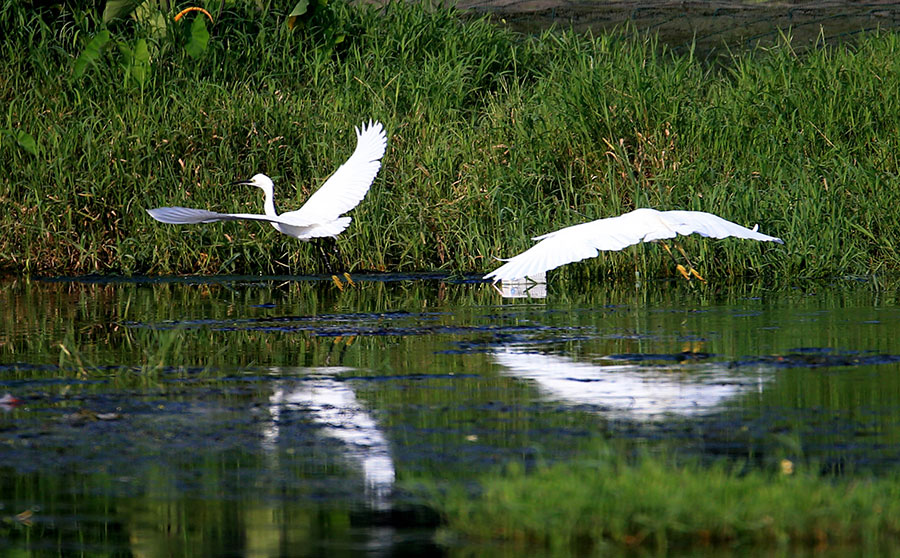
(687, 272)
(337, 282)
(680, 268)
(669, 251)
(349, 280)
(691, 269)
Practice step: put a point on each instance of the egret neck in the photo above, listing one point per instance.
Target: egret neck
(265, 184)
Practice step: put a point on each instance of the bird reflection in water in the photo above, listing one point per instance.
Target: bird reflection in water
(333, 406)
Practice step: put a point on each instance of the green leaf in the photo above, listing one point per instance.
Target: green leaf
(301, 8)
(26, 142)
(150, 16)
(91, 53)
(136, 61)
(196, 46)
(140, 62)
(116, 9)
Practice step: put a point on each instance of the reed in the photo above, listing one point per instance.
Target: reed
(494, 137)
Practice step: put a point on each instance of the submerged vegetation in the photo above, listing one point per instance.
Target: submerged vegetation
(493, 137)
(657, 504)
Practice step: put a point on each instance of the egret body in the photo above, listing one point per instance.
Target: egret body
(586, 240)
(320, 216)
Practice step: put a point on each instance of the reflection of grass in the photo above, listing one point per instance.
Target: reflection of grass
(654, 503)
(159, 351)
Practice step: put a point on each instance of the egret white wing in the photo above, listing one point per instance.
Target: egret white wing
(586, 240)
(616, 233)
(567, 245)
(711, 226)
(189, 216)
(577, 243)
(545, 255)
(350, 182)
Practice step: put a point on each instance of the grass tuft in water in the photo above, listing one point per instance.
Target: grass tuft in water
(494, 137)
(655, 504)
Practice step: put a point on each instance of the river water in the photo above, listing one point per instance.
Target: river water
(282, 416)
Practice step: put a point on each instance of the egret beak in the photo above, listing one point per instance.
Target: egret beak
(241, 183)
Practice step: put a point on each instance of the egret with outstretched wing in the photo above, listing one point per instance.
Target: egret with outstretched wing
(586, 240)
(320, 216)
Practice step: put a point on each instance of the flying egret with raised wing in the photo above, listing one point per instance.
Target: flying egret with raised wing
(320, 216)
(586, 240)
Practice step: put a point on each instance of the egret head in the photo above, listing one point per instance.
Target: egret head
(259, 180)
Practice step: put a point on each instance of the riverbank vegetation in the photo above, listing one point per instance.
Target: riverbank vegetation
(493, 137)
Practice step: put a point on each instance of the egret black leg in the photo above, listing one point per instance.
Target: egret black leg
(684, 273)
(324, 256)
(334, 250)
(331, 253)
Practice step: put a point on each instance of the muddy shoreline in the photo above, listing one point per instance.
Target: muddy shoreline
(711, 24)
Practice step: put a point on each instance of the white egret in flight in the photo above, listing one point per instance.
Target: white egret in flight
(320, 216)
(586, 240)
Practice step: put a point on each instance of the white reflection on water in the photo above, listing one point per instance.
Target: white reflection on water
(333, 405)
(530, 287)
(629, 391)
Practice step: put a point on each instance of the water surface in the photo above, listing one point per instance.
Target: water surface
(284, 417)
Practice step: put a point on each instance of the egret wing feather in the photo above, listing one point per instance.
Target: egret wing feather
(350, 182)
(190, 216)
(553, 250)
(711, 226)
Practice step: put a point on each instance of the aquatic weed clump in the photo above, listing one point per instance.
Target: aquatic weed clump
(493, 137)
(651, 503)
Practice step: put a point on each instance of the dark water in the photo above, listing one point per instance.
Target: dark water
(284, 417)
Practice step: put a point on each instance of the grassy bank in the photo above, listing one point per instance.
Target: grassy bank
(592, 503)
(493, 138)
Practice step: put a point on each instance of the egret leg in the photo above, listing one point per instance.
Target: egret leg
(678, 265)
(336, 255)
(329, 255)
(324, 257)
(327, 248)
(691, 269)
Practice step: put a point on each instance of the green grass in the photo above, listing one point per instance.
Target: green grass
(493, 138)
(592, 503)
